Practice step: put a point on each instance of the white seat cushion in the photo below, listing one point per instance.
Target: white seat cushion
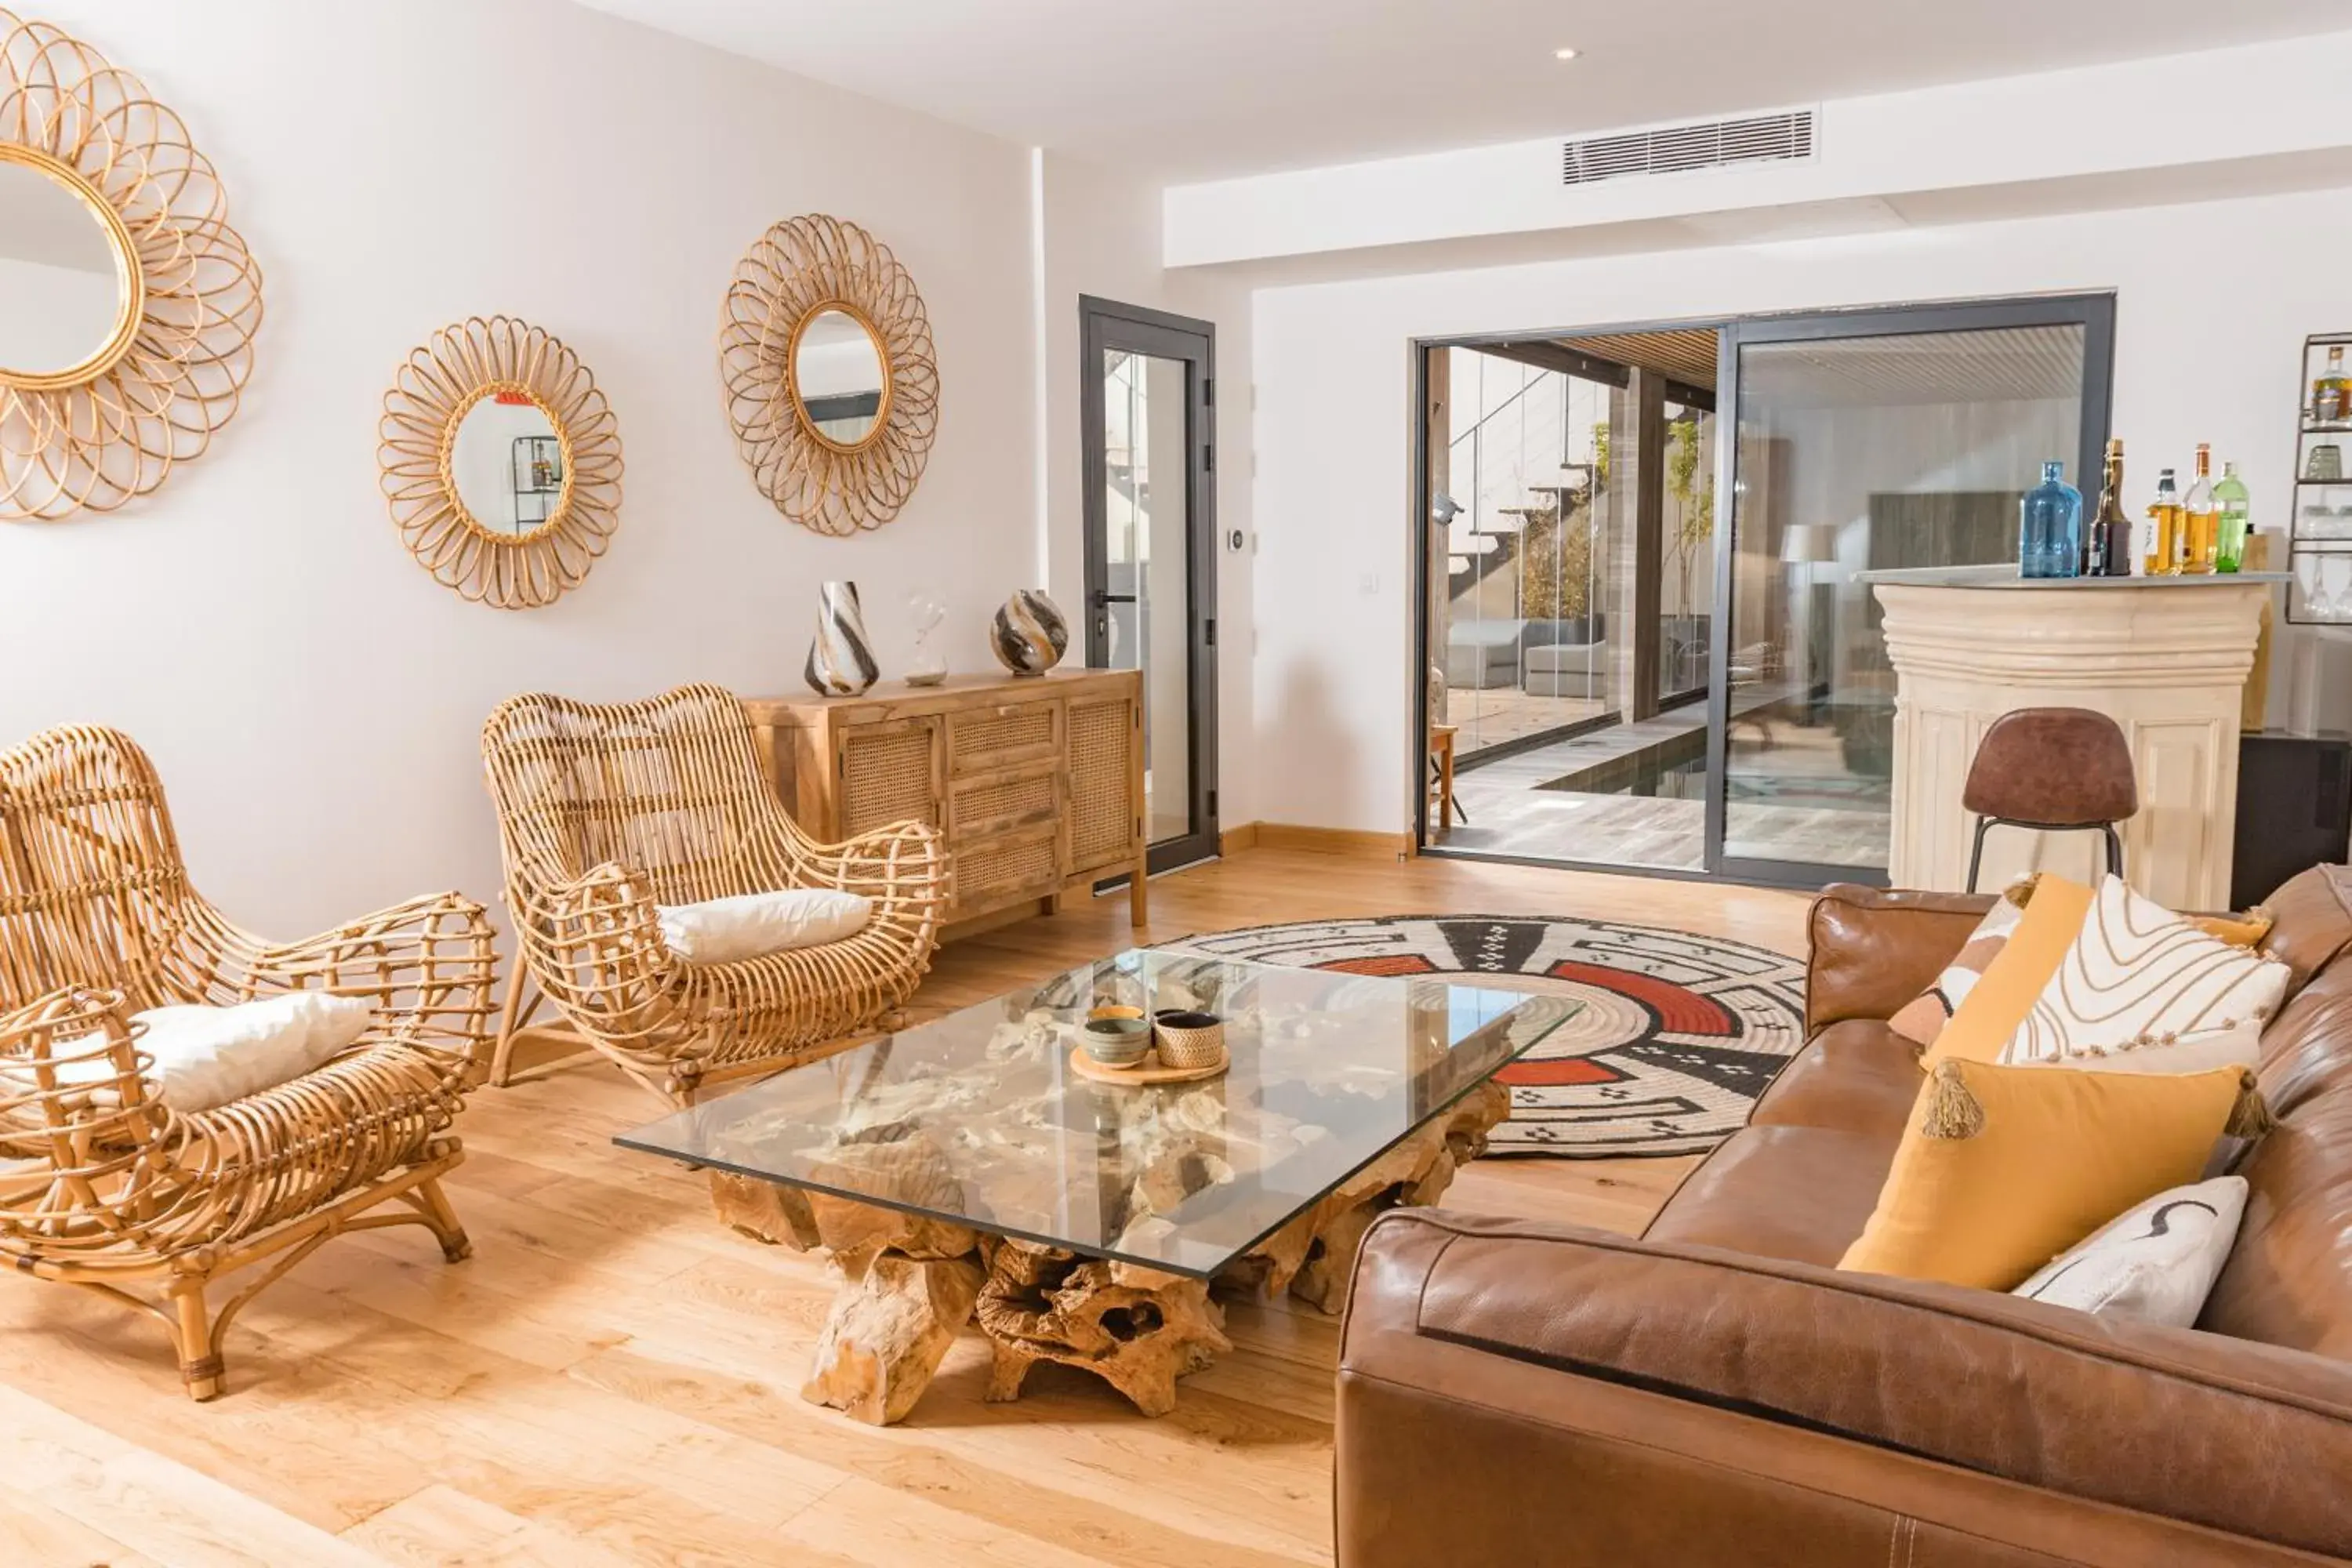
(208, 1056)
(2155, 1262)
(729, 931)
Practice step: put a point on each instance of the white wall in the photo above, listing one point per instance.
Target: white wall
(1102, 237)
(2214, 301)
(314, 698)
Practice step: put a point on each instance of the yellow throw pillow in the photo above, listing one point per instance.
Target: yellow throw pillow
(2014, 980)
(2003, 1168)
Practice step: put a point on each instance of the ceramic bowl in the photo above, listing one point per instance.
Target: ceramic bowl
(1116, 1012)
(1116, 1042)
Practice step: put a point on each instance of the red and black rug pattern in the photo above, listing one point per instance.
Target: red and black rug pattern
(1678, 1036)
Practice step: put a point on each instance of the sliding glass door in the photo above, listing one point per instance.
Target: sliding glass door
(1861, 441)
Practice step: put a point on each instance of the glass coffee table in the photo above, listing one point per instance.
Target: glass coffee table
(963, 1170)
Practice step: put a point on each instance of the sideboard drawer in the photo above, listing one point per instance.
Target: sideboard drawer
(993, 871)
(1005, 802)
(982, 740)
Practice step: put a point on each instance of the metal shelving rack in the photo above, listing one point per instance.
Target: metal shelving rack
(535, 486)
(2319, 525)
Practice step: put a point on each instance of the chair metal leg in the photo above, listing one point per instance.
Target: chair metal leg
(1976, 851)
(2115, 849)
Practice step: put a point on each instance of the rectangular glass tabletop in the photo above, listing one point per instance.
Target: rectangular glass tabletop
(979, 1119)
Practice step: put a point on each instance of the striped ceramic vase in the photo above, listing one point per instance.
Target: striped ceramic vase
(1029, 633)
(840, 661)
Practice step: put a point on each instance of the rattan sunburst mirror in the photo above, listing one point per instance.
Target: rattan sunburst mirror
(826, 355)
(128, 304)
(501, 462)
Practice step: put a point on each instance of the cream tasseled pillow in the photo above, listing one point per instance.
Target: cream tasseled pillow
(2143, 989)
(729, 931)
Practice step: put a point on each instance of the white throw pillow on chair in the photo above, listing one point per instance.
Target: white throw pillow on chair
(749, 925)
(206, 1056)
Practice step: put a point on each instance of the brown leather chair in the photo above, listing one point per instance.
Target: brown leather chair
(2053, 770)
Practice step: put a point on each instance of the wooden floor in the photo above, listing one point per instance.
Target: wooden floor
(612, 1377)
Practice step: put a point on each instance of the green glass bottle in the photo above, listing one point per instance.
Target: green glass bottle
(2229, 499)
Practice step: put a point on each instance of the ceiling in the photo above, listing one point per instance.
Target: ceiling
(1186, 90)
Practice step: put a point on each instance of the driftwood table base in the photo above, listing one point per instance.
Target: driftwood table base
(909, 1285)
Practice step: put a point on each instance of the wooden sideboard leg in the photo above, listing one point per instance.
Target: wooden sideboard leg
(1139, 892)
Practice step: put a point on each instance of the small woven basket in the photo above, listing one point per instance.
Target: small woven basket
(1190, 1045)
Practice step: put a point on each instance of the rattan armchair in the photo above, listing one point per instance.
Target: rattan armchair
(606, 812)
(104, 1186)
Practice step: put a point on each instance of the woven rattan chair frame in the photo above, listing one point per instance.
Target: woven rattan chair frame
(103, 1187)
(607, 811)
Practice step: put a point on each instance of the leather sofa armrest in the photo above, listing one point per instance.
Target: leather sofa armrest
(2242, 1438)
(1871, 950)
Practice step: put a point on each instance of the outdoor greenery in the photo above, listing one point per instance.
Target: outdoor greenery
(1556, 563)
(1685, 455)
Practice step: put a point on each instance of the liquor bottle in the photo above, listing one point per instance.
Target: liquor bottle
(2231, 500)
(2331, 391)
(2049, 526)
(2164, 538)
(2108, 551)
(2200, 522)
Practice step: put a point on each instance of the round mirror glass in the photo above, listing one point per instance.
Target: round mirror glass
(62, 295)
(838, 372)
(507, 464)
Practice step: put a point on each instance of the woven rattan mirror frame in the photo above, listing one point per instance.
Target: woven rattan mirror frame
(112, 428)
(799, 269)
(463, 364)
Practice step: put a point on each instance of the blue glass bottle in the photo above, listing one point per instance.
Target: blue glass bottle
(2049, 526)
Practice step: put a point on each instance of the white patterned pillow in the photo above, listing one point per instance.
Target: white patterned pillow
(2140, 979)
(2155, 1262)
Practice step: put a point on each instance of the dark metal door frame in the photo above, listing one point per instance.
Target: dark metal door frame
(1106, 326)
(2094, 313)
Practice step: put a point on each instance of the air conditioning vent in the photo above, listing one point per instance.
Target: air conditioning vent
(1712, 144)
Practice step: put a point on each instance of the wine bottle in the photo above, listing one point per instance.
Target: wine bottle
(2108, 551)
(2236, 511)
(2200, 522)
(2331, 391)
(2164, 538)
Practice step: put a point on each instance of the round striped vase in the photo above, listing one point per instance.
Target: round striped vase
(1029, 635)
(840, 660)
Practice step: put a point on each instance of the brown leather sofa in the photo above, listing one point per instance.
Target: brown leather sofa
(1717, 1392)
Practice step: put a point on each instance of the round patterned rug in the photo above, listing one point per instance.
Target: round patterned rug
(1678, 1036)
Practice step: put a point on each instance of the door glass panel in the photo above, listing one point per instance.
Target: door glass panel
(1146, 510)
(1856, 454)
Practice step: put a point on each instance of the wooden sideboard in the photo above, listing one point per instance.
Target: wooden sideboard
(1037, 782)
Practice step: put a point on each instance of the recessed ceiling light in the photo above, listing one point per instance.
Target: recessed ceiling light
(1563, 54)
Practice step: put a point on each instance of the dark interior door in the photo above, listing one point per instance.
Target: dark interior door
(1147, 388)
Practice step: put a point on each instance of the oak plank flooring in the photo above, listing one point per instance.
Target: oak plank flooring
(613, 1378)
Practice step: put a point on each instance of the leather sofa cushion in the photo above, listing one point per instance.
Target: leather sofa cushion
(1798, 1192)
(1858, 1076)
(2313, 922)
(2289, 1278)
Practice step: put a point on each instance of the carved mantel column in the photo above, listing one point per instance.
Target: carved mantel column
(2166, 658)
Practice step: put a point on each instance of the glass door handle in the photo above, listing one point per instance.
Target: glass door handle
(1101, 597)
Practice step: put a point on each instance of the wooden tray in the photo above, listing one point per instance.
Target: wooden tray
(1148, 1072)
